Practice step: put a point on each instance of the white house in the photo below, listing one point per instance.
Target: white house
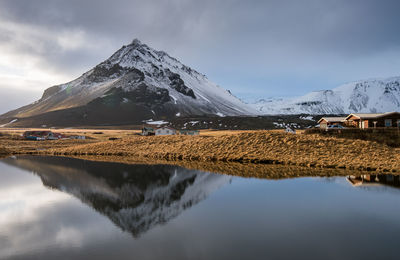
(165, 130)
(78, 137)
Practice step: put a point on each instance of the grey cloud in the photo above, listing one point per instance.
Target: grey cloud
(296, 41)
(336, 26)
(11, 98)
(345, 24)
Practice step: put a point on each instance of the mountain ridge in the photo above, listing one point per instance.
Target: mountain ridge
(363, 96)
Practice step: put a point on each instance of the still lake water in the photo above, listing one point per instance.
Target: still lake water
(60, 208)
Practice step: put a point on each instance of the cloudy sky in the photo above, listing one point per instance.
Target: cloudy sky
(254, 48)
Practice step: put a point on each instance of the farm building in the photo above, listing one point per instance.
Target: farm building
(189, 132)
(148, 130)
(165, 130)
(78, 137)
(364, 121)
(325, 122)
(42, 135)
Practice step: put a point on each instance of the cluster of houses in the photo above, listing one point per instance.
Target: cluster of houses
(166, 130)
(146, 131)
(48, 135)
(363, 120)
(355, 120)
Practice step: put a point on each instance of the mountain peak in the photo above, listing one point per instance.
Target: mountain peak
(136, 41)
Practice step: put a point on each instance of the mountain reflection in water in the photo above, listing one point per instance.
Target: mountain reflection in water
(64, 208)
(134, 197)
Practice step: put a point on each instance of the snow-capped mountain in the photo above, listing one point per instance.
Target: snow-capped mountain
(139, 82)
(366, 96)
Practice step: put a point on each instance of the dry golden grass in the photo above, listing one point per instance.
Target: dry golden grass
(4, 151)
(11, 139)
(224, 132)
(254, 147)
(257, 147)
(247, 170)
(91, 133)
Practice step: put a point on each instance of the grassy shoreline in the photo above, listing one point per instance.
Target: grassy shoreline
(245, 170)
(250, 147)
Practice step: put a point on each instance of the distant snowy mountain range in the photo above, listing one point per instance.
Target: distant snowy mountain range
(366, 96)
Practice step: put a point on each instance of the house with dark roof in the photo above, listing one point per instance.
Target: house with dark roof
(373, 120)
(325, 122)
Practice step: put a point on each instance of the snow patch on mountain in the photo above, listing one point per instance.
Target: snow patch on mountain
(12, 121)
(152, 122)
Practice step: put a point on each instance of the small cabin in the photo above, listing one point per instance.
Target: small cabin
(189, 132)
(325, 122)
(148, 130)
(165, 130)
(78, 137)
(368, 120)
